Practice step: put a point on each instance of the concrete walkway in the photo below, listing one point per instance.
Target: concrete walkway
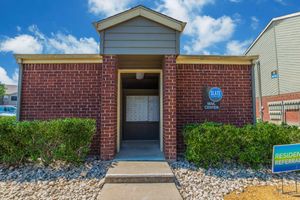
(140, 180)
(137, 150)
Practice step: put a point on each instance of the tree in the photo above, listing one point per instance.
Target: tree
(2, 90)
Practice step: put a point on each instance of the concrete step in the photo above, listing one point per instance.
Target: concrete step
(139, 172)
(133, 191)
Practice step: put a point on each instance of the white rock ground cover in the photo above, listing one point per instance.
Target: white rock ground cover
(85, 181)
(53, 182)
(213, 183)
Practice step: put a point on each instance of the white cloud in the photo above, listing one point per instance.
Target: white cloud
(37, 42)
(21, 44)
(236, 47)
(4, 78)
(235, 1)
(203, 31)
(208, 31)
(237, 18)
(62, 43)
(107, 7)
(65, 43)
(254, 22)
(184, 10)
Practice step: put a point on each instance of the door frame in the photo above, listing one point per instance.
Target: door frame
(154, 71)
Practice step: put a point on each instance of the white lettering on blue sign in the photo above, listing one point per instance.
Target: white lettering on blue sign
(286, 158)
(215, 94)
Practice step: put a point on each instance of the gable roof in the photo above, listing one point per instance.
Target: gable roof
(143, 12)
(269, 25)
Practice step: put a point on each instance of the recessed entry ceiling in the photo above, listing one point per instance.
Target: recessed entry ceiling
(140, 62)
(150, 81)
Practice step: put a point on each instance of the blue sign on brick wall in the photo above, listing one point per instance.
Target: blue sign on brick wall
(212, 97)
(286, 158)
(215, 94)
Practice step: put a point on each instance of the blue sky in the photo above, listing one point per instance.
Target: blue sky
(65, 26)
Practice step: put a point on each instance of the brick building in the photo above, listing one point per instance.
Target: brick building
(277, 75)
(139, 88)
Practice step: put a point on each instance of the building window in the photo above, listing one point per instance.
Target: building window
(13, 98)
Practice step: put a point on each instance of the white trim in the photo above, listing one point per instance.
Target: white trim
(269, 24)
(122, 71)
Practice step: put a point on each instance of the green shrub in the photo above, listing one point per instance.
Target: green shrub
(62, 139)
(211, 144)
(9, 146)
(258, 141)
(69, 139)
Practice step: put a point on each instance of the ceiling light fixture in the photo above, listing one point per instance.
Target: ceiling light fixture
(139, 76)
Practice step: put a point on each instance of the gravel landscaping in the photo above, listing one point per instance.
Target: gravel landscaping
(215, 183)
(53, 182)
(60, 181)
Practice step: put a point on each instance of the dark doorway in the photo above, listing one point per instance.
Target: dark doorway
(140, 106)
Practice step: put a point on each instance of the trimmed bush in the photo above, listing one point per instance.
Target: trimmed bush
(212, 144)
(62, 139)
(258, 141)
(10, 147)
(70, 138)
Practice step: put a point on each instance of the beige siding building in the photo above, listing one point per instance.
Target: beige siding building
(11, 96)
(277, 76)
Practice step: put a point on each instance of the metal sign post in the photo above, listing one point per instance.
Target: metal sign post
(286, 158)
(296, 185)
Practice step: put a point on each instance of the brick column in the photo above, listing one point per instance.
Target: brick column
(169, 107)
(108, 107)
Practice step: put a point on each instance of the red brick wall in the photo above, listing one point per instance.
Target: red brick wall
(62, 90)
(235, 107)
(85, 90)
(169, 107)
(292, 117)
(109, 107)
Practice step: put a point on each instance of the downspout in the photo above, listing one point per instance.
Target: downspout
(19, 60)
(253, 91)
(261, 113)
